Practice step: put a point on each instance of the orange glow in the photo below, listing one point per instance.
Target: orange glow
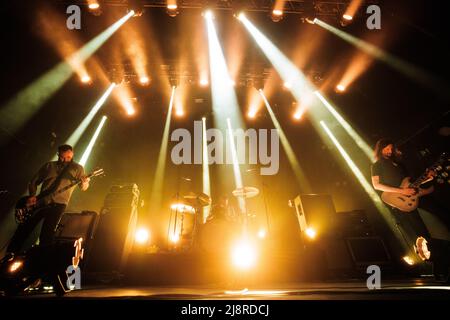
(298, 114)
(307, 42)
(340, 87)
(172, 4)
(62, 40)
(144, 80)
(358, 65)
(180, 95)
(135, 48)
(235, 38)
(124, 98)
(204, 82)
(277, 12)
(93, 4)
(352, 9)
(254, 101)
(86, 79)
(347, 17)
(278, 8)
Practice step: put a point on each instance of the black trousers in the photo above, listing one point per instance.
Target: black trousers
(51, 215)
(411, 223)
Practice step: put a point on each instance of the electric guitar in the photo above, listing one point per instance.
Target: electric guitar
(23, 210)
(409, 203)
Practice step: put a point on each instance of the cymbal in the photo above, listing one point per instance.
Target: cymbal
(246, 192)
(198, 199)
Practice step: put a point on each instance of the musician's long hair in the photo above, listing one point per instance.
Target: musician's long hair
(379, 146)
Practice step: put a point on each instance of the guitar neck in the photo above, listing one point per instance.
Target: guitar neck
(73, 184)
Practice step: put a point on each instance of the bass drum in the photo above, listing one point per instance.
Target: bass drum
(216, 236)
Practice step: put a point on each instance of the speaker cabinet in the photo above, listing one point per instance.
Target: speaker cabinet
(115, 231)
(368, 250)
(317, 212)
(75, 225)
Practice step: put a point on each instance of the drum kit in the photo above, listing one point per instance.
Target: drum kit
(185, 213)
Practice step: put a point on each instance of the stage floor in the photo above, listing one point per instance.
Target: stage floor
(348, 290)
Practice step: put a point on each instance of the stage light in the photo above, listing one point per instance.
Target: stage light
(340, 88)
(347, 17)
(16, 265)
(262, 233)
(408, 260)
(130, 110)
(244, 255)
(179, 113)
(276, 15)
(136, 7)
(311, 233)
(232, 82)
(93, 6)
(86, 79)
(144, 80)
(277, 12)
(172, 10)
(298, 115)
(251, 114)
(240, 15)
(88, 151)
(287, 85)
(208, 15)
(142, 236)
(174, 238)
(204, 82)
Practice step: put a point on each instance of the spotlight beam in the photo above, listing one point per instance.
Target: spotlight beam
(205, 169)
(236, 168)
(298, 171)
(288, 72)
(158, 181)
(76, 135)
(415, 73)
(347, 127)
(366, 185)
(298, 84)
(21, 108)
(88, 151)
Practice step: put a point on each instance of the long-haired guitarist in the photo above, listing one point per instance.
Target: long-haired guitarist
(52, 176)
(388, 173)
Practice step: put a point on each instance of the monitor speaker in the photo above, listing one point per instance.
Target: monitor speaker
(75, 225)
(366, 251)
(316, 211)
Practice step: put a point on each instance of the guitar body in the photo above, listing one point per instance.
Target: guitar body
(400, 201)
(22, 211)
